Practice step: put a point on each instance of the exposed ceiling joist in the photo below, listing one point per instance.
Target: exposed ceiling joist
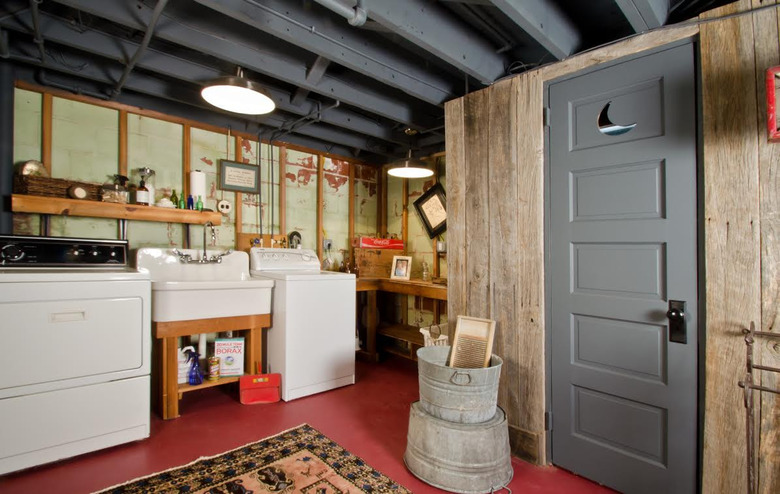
(53, 30)
(202, 34)
(347, 76)
(339, 42)
(437, 31)
(143, 84)
(645, 14)
(313, 76)
(545, 23)
(176, 68)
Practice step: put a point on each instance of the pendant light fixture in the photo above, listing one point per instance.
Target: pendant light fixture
(409, 167)
(238, 95)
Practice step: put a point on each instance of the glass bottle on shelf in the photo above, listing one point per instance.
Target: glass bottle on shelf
(174, 198)
(142, 194)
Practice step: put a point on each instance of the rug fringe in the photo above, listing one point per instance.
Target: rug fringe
(199, 459)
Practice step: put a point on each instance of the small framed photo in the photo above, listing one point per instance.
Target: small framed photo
(239, 177)
(431, 207)
(402, 268)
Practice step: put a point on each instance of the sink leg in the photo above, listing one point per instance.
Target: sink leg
(170, 379)
(253, 363)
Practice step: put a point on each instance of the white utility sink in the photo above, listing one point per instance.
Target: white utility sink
(184, 291)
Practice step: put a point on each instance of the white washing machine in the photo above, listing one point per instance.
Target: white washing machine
(311, 342)
(76, 338)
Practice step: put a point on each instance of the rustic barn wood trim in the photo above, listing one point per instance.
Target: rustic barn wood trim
(731, 237)
(765, 25)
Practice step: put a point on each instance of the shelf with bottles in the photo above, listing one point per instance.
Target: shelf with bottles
(21, 203)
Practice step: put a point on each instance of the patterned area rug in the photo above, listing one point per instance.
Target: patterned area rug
(300, 460)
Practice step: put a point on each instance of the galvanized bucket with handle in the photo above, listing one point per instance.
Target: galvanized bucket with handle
(466, 396)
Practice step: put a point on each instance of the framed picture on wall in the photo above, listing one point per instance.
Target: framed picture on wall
(401, 268)
(431, 207)
(239, 177)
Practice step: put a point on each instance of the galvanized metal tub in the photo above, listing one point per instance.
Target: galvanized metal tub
(466, 396)
(465, 458)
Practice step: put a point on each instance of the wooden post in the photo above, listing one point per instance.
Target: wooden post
(46, 130)
(283, 190)
(352, 198)
(320, 198)
(239, 156)
(123, 137)
(186, 152)
(381, 199)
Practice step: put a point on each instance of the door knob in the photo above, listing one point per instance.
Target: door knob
(678, 331)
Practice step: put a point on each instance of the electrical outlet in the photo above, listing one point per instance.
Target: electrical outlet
(327, 244)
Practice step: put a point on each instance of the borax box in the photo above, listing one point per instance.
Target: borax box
(231, 356)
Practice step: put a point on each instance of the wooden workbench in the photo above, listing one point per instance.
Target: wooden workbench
(404, 332)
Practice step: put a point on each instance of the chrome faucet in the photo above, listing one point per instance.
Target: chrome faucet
(217, 259)
(205, 257)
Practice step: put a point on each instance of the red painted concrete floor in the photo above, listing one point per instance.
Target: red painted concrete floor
(370, 419)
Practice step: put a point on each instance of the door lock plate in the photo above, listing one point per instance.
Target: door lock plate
(678, 330)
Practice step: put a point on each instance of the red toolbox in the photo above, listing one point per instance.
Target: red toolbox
(260, 388)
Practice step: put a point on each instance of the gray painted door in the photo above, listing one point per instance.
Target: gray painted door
(622, 244)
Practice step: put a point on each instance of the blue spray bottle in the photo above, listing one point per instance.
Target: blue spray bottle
(195, 376)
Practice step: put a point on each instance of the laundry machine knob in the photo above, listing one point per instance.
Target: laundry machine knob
(11, 252)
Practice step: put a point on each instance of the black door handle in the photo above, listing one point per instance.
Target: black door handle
(678, 331)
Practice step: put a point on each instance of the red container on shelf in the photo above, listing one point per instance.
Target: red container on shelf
(259, 388)
(378, 243)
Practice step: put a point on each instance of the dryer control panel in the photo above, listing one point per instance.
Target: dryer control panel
(30, 251)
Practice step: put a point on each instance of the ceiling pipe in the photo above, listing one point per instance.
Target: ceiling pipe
(40, 76)
(305, 120)
(141, 48)
(355, 16)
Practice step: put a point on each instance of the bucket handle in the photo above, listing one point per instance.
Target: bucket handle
(458, 378)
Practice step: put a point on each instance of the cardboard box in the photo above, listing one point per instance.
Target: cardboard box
(378, 243)
(231, 356)
(375, 263)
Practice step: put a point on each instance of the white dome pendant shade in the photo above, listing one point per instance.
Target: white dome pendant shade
(238, 95)
(409, 168)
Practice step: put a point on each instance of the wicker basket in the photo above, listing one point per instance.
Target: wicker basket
(52, 187)
(442, 340)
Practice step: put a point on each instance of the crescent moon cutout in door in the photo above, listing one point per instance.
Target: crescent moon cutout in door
(607, 127)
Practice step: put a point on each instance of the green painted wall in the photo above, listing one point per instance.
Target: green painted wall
(27, 146)
(366, 199)
(156, 144)
(335, 208)
(27, 125)
(207, 148)
(85, 147)
(301, 190)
